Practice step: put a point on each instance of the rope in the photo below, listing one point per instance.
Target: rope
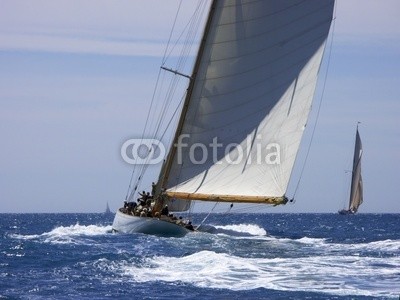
(206, 216)
(171, 89)
(194, 25)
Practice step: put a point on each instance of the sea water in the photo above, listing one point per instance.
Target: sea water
(242, 256)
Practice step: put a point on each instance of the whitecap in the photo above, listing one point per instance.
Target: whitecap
(250, 229)
(66, 234)
(339, 275)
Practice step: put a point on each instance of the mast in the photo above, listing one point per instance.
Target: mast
(168, 163)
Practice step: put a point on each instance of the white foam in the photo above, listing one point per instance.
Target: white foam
(322, 245)
(74, 230)
(343, 275)
(388, 246)
(245, 228)
(67, 234)
(312, 241)
(23, 237)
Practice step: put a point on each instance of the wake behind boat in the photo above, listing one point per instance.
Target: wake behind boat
(244, 113)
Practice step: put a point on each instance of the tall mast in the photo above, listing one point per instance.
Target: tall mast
(168, 164)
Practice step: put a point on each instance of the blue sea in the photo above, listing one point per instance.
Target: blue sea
(248, 256)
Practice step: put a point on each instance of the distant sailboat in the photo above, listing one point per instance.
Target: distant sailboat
(108, 211)
(250, 91)
(356, 190)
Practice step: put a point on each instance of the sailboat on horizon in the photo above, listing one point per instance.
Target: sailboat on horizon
(356, 189)
(244, 113)
(107, 211)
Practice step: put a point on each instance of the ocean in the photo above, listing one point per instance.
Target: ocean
(248, 256)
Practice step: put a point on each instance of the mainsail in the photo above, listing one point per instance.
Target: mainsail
(248, 101)
(356, 192)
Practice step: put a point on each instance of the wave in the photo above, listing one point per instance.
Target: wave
(245, 228)
(234, 230)
(316, 245)
(252, 231)
(66, 234)
(339, 275)
(385, 246)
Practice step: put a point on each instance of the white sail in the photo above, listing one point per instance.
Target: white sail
(356, 193)
(249, 100)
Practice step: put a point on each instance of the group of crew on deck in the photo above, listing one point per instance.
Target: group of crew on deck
(145, 207)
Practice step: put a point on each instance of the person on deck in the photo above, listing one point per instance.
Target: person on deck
(189, 226)
(165, 211)
(143, 198)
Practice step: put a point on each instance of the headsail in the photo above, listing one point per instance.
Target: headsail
(248, 101)
(356, 193)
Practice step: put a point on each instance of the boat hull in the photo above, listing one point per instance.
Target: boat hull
(132, 224)
(346, 212)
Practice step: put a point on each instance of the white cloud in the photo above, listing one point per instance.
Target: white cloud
(142, 27)
(99, 27)
(46, 43)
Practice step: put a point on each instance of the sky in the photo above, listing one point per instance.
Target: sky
(77, 77)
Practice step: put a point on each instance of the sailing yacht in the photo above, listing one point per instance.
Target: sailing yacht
(356, 190)
(107, 211)
(245, 110)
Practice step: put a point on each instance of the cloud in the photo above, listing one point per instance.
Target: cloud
(63, 44)
(141, 28)
(129, 28)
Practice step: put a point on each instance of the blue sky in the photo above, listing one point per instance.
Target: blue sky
(76, 79)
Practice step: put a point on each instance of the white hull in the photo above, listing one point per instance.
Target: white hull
(132, 224)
